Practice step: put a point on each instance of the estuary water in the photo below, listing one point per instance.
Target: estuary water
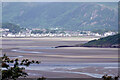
(63, 67)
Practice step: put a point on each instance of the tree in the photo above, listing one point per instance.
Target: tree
(106, 77)
(13, 28)
(15, 71)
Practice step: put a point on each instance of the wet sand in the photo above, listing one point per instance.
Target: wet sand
(40, 49)
(49, 74)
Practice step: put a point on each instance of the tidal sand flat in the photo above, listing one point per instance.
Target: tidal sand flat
(81, 62)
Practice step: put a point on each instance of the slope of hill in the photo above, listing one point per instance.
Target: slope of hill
(71, 16)
(106, 42)
(13, 28)
(110, 41)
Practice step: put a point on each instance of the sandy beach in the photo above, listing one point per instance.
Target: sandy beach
(80, 62)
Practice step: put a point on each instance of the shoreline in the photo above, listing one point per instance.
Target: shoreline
(84, 46)
(88, 38)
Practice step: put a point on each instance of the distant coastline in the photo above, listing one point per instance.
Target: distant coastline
(106, 42)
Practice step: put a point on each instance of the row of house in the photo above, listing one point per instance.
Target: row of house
(6, 33)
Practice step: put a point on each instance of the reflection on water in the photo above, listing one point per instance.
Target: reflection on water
(21, 51)
(31, 48)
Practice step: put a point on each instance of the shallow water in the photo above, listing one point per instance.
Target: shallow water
(64, 68)
(31, 48)
(38, 48)
(21, 51)
(53, 66)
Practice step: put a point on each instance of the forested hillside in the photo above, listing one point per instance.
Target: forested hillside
(110, 41)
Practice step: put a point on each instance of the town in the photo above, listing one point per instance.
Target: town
(52, 32)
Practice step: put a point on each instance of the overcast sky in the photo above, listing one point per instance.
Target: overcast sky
(59, 0)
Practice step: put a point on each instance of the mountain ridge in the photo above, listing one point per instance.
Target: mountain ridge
(71, 16)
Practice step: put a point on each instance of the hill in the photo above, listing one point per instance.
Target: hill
(71, 16)
(106, 42)
(110, 41)
(13, 28)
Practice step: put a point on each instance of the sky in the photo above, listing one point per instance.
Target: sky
(59, 0)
